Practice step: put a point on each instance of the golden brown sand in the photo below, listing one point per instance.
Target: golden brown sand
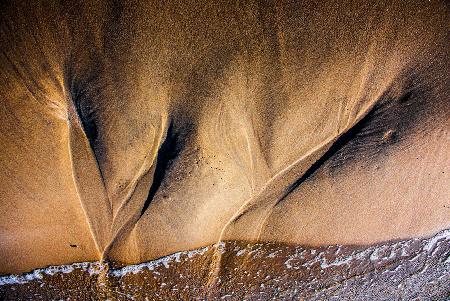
(133, 130)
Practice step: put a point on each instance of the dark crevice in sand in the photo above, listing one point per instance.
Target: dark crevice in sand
(393, 121)
(168, 151)
(342, 141)
(85, 113)
(81, 90)
(373, 131)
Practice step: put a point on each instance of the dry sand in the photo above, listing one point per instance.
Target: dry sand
(134, 130)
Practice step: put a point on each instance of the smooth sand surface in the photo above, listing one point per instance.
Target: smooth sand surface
(134, 130)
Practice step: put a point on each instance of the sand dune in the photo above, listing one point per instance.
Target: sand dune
(134, 130)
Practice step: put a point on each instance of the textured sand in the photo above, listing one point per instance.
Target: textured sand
(134, 130)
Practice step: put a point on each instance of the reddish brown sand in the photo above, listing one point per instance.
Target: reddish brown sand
(134, 130)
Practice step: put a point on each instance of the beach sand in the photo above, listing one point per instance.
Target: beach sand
(131, 131)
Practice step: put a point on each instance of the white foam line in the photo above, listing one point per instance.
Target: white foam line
(151, 265)
(96, 267)
(433, 240)
(90, 267)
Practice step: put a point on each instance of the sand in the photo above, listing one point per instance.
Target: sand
(131, 131)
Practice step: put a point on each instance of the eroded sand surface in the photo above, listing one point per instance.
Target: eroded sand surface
(134, 130)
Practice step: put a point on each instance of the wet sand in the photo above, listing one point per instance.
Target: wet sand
(414, 269)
